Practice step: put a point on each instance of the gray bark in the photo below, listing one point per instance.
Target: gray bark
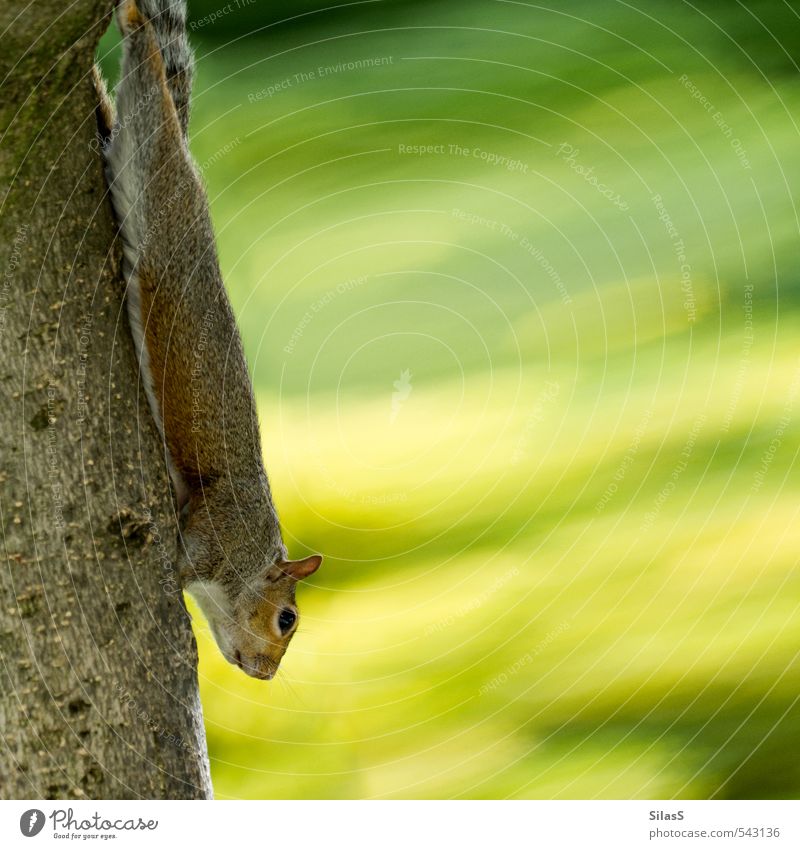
(98, 680)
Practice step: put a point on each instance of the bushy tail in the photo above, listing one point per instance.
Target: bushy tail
(168, 19)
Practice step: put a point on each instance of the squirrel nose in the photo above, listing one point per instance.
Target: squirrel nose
(253, 667)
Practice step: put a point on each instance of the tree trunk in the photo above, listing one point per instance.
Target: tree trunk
(98, 680)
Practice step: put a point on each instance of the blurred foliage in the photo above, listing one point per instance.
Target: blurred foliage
(765, 31)
(230, 20)
(531, 392)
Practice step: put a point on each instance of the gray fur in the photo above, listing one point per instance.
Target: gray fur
(168, 18)
(231, 537)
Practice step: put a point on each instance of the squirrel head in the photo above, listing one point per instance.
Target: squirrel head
(254, 627)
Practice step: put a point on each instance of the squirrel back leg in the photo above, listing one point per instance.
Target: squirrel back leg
(197, 389)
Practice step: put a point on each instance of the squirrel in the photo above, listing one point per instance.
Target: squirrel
(232, 559)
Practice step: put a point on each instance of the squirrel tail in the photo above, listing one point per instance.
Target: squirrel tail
(168, 19)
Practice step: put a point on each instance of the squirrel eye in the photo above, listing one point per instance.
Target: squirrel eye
(286, 618)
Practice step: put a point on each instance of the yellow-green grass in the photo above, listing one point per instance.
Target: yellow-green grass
(578, 648)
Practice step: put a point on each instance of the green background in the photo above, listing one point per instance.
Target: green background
(562, 562)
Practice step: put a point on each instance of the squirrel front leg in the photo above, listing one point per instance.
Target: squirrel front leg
(191, 359)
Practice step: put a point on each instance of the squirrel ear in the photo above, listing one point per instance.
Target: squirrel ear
(299, 569)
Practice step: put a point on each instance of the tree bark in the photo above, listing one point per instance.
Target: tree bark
(98, 664)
